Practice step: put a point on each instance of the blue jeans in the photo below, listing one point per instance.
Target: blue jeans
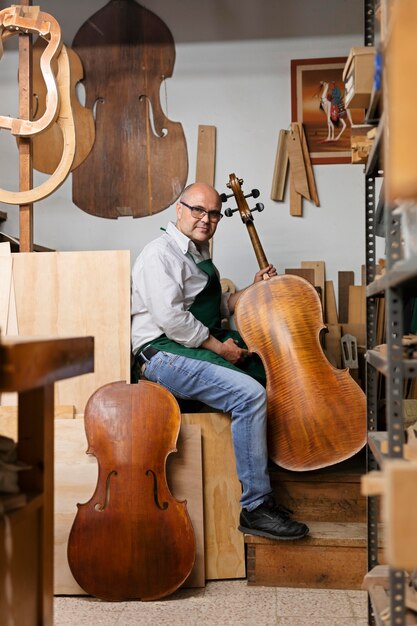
(233, 392)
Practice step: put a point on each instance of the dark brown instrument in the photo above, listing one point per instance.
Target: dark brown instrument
(132, 539)
(139, 164)
(316, 412)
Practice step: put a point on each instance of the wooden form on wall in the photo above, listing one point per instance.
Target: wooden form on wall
(292, 151)
(81, 293)
(206, 155)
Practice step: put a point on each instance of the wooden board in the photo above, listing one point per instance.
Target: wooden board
(319, 278)
(76, 478)
(306, 273)
(64, 294)
(357, 304)
(8, 306)
(224, 545)
(345, 279)
(280, 167)
(309, 168)
(206, 155)
(297, 164)
(330, 312)
(139, 163)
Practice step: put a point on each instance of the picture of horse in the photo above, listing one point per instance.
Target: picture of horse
(318, 102)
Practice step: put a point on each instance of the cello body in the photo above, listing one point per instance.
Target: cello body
(316, 412)
(132, 539)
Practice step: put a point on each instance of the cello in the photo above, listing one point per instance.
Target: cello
(132, 539)
(316, 412)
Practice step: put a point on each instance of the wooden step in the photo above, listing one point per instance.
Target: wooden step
(329, 495)
(332, 556)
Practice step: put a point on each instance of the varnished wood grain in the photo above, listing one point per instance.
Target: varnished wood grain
(139, 164)
(316, 412)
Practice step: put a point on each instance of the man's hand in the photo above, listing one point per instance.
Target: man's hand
(265, 274)
(228, 349)
(232, 353)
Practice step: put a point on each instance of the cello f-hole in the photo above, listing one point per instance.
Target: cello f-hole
(164, 505)
(102, 507)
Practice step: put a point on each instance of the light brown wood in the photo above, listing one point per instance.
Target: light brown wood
(400, 137)
(306, 273)
(296, 199)
(319, 278)
(66, 123)
(224, 545)
(297, 163)
(29, 571)
(70, 305)
(330, 311)
(309, 168)
(206, 155)
(280, 167)
(357, 304)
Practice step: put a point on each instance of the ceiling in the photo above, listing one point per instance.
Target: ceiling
(226, 20)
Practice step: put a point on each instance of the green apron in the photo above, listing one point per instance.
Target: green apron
(206, 308)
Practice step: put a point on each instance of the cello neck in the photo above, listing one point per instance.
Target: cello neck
(257, 246)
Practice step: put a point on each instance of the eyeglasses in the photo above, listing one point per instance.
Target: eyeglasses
(198, 212)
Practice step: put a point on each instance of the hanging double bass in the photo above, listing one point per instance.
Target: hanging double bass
(132, 539)
(316, 412)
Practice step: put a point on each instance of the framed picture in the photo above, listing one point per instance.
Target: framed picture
(317, 101)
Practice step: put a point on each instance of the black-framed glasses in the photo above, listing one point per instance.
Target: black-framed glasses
(198, 212)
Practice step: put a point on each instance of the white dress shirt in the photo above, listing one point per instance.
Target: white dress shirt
(165, 283)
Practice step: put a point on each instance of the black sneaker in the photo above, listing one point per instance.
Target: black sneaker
(273, 521)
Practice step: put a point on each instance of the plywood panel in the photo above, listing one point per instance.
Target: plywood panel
(224, 544)
(65, 294)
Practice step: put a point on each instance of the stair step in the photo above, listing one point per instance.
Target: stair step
(332, 556)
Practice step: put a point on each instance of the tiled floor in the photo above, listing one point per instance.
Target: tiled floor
(222, 603)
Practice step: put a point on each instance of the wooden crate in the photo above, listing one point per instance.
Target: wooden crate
(333, 556)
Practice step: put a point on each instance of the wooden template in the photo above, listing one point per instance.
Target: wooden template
(206, 155)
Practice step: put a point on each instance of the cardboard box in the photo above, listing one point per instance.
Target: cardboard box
(358, 76)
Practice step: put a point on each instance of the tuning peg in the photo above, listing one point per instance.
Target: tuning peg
(224, 197)
(258, 207)
(253, 194)
(229, 212)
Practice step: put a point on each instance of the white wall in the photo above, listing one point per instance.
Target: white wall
(243, 88)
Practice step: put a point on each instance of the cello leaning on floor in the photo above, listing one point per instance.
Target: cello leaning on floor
(316, 412)
(132, 539)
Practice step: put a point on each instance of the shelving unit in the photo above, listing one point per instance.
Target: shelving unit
(386, 585)
(31, 367)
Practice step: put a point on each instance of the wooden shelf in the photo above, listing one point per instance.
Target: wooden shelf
(402, 273)
(31, 367)
(375, 441)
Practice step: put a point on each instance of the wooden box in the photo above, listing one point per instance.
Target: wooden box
(358, 76)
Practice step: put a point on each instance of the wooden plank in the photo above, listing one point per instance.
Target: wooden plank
(25, 143)
(83, 293)
(11, 328)
(280, 167)
(296, 199)
(309, 168)
(357, 304)
(332, 344)
(5, 281)
(224, 544)
(319, 278)
(76, 478)
(345, 279)
(206, 155)
(297, 164)
(306, 273)
(330, 312)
